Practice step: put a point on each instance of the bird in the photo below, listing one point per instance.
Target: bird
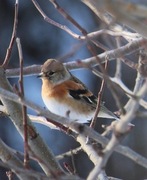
(65, 95)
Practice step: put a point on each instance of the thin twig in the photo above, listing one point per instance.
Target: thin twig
(24, 108)
(68, 153)
(68, 168)
(68, 17)
(93, 122)
(138, 84)
(9, 50)
(47, 19)
(73, 162)
(118, 62)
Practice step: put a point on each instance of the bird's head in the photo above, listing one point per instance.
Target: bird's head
(54, 71)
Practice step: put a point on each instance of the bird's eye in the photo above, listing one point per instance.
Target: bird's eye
(51, 73)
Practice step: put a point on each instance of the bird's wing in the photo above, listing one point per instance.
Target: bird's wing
(78, 91)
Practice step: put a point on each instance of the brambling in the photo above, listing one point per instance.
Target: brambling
(65, 95)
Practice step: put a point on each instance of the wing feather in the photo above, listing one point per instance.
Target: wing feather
(80, 92)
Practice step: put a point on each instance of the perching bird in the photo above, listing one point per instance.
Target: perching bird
(65, 95)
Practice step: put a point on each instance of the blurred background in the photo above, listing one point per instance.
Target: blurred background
(41, 41)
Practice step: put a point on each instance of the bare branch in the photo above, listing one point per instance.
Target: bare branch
(68, 17)
(24, 108)
(50, 166)
(9, 50)
(47, 19)
(86, 131)
(123, 15)
(138, 84)
(93, 122)
(89, 62)
(8, 157)
(68, 153)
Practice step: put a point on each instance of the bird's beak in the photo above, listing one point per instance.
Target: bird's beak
(40, 75)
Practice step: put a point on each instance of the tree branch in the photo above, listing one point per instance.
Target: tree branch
(9, 50)
(40, 149)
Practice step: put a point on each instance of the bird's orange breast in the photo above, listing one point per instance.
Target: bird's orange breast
(49, 90)
(60, 90)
